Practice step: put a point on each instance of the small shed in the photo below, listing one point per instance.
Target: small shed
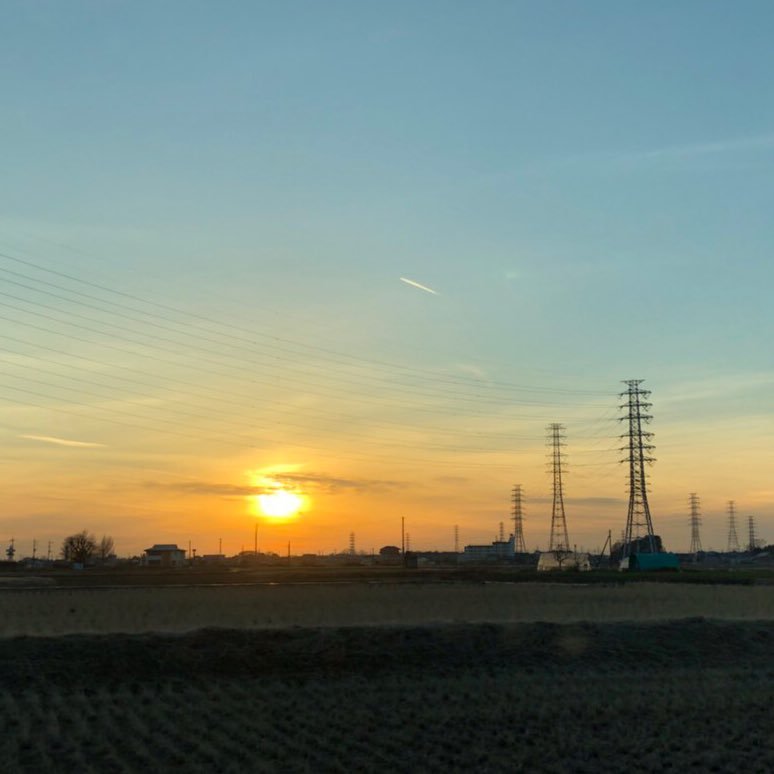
(662, 560)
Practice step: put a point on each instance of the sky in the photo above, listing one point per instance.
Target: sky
(209, 212)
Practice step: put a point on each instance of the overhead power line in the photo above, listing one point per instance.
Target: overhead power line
(177, 347)
(235, 330)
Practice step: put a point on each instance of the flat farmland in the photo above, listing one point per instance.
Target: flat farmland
(467, 697)
(388, 677)
(56, 611)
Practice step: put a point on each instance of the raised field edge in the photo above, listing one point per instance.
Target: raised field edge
(77, 659)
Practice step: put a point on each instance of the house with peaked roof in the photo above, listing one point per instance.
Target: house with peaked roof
(163, 555)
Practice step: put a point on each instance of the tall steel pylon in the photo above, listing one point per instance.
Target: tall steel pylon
(695, 521)
(752, 541)
(559, 542)
(733, 538)
(638, 520)
(518, 520)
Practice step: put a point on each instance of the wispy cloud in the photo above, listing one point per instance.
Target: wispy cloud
(324, 482)
(210, 488)
(472, 370)
(717, 386)
(418, 285)
(643, 157)
(62, 441)
(672, 153)
(452, 480)
(594, 502)
(759, 142)
(307, 482)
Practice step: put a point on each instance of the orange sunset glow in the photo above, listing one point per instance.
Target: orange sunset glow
(280, 504)
(386, 386)
(316, 323)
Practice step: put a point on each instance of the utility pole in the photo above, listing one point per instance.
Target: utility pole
(518, 520)
(559, 542)
(456, 539)
(403, 535)
(695, 521)
(638, 519)
(733, 539)
(752, 541)
(48, 555)
(255, 540)
(220, 545)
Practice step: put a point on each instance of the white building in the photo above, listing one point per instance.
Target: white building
(498, 549)
(563, 560)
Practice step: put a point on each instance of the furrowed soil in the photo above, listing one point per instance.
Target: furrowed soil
(579, 696)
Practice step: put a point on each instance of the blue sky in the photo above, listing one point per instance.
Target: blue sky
(587, 186)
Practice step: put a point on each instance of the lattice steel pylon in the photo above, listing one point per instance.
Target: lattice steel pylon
(638, 520)
(695, 521)
(518, 520)
(733, 538)
(752, 541)
(559, 542)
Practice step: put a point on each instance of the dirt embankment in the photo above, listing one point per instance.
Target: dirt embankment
(524, 648)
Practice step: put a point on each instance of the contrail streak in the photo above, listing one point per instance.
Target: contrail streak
(60, 441)
(417, 285)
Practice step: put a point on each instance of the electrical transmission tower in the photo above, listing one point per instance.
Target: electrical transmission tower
(733, 539)
(518, 520)
(752, 540)
(456, 539)
(559, 542)
(638, 521)
(501, 532)
(695, 521)
(352, 543)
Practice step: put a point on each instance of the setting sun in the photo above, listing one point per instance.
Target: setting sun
(280, 504)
